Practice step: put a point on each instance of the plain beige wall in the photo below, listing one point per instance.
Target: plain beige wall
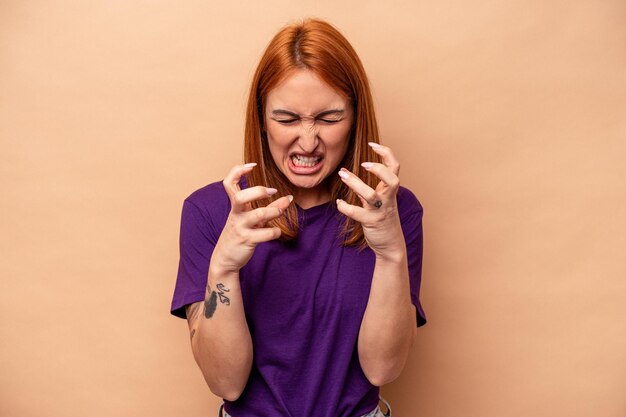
(509, 119)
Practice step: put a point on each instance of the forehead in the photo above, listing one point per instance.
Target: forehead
(304, 92)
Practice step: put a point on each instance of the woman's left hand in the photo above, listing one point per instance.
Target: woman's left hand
(379, 214)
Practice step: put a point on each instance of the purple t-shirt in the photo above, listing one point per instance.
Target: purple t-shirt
(304, 303)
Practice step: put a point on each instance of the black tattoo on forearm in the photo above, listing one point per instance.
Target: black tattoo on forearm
(210, 303)
(223, 298)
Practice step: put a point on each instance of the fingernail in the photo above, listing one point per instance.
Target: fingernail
(250, 165)
(367, 165)
(338, 201)
(343, 175)
(290, 198)
(374, 145)
(271, 191)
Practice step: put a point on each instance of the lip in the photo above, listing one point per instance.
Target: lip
(307, 155)
(304, 170)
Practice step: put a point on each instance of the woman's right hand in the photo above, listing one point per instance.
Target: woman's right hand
(244, 227)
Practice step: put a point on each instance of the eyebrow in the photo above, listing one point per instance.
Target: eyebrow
(321, 114)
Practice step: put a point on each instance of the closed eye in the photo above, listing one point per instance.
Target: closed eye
(330, 121)
(286, 121)
(293, 120)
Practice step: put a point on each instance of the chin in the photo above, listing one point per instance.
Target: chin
(304, 184)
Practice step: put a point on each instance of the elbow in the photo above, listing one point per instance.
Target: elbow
(233, 396)
(383, 370)
(228, 395)
(227, 381)
(382, 378)
(228, 390)
(382, 373)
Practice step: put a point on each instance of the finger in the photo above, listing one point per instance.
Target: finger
(260, 216)
(356, 213)
(383, 172)
(264, 234)
(282, 203)
(359, 187)
(388, 157)
(243, 197)
(231, 181)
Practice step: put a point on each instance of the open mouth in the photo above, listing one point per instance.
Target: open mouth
(301, 164)
(305, 161)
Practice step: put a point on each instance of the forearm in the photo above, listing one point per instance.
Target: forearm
(220, 338)
(388, 327)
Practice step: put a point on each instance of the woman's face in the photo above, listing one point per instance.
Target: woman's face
(308, 125)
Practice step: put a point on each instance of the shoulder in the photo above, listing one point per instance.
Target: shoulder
(210, 200)
(408, 203)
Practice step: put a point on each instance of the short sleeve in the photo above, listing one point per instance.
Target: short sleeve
(197, 241)
(411, 213)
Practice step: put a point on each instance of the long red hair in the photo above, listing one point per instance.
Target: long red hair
(315, 45)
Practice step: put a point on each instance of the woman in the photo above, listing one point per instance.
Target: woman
(305, 304)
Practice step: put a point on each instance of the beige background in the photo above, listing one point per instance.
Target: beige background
(509, 119)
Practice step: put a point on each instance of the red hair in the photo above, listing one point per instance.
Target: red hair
(315, 45)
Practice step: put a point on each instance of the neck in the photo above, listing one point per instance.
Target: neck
(307, 198)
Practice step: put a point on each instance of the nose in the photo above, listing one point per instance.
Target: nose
(309, 137)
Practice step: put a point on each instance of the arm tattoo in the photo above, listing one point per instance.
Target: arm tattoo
(223, 298)
(210, 303)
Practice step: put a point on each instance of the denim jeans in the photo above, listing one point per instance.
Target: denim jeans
(377, 412)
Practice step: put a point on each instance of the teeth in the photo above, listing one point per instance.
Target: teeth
(302, 161)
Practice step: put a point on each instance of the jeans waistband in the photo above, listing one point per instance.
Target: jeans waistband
(377, 412)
